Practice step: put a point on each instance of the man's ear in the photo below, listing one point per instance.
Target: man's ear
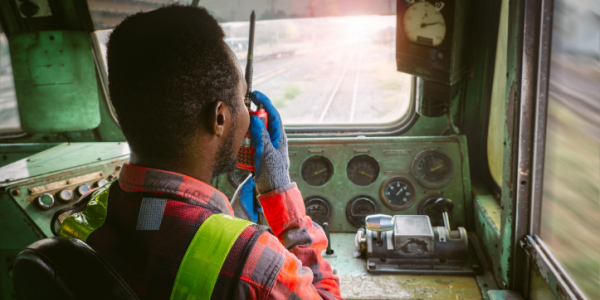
(218, 116)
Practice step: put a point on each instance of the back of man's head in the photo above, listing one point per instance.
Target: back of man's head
(164, 66)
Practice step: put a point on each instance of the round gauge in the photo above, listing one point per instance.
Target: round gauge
(425, 208)
(423, 23)
(317, 170)
(359, 208)
(432, 168)
(237, 176)
(318, 209)
(397, 193)
(362, 170)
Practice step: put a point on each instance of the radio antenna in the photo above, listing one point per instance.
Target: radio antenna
(249, 59)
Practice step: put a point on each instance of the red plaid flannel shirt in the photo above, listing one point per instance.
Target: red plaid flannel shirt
(147, 232)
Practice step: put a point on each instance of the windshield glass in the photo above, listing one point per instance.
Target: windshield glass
(334, 70)
(327, 70)
(9, 114)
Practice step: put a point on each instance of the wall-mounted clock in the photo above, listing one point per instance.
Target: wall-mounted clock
(431, 37)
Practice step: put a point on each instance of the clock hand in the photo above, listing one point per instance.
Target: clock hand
(427, 24)
(319, 172)
(398, 193)
(433, 169)
(364, 173)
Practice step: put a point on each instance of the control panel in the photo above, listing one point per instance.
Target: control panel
(45, 182)
(343, 180)
(400, 180)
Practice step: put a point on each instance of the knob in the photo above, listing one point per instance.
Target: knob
(443, 205)
(45, 201)
(379, 222)
(101, 182)
(65, 195)
(82, 189)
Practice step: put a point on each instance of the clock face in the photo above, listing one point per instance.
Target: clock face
(424, 24)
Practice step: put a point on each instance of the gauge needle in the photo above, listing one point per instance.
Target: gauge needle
(433, 169)
(365, 173)
(398, 193)
(319, 172)
(427, 24)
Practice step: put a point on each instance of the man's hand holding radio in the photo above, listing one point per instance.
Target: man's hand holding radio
(271, 161)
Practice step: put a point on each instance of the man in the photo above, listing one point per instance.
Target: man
(178, 93)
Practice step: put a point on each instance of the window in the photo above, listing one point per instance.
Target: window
(495, 142)
(338, 70)
(317, 71)
(571, 191)
(9, 113)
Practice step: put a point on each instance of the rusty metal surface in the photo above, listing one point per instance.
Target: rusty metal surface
(356, 283)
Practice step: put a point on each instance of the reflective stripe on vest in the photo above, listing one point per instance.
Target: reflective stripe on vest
(80, 225)
(203, 259)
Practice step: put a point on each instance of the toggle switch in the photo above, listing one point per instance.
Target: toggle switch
(65, 195)
(82, 189)
(101, 183)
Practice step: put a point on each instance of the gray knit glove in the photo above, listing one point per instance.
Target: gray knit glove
(271, 161)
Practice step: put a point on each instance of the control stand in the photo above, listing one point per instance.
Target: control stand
(409, 244)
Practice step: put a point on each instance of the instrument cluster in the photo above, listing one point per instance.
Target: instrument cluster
(343, 181)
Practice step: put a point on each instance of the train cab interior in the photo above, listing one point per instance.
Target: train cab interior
(449, 148)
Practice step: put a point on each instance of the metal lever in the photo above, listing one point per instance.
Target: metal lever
(444, 206)
(379, 223)
(329, 251)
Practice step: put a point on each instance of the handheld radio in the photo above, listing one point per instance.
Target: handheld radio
(245, 157)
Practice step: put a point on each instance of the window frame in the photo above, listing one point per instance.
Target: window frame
(528, 174)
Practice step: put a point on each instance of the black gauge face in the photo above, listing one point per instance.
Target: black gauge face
(359, 208)
(317, 170)
(397, 193)
(318, 209)
(433, 169)
(425, 208)
(237, 176)
(362, 170)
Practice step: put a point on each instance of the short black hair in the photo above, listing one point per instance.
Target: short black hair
(164, 67)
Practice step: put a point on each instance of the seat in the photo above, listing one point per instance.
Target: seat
(66, 268)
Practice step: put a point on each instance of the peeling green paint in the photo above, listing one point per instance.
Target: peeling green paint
(513, 86)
